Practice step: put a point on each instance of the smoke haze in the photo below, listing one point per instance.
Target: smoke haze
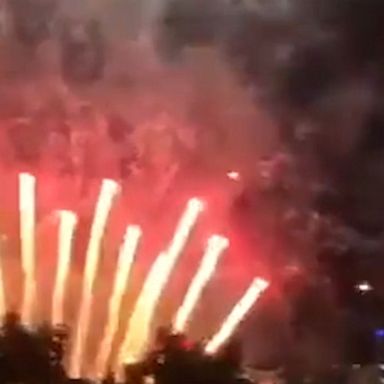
(288, 85)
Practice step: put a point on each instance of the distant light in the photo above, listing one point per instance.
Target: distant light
(149, 380)
(364, 287)
(234, 175)
(293, 268)
(379, 332)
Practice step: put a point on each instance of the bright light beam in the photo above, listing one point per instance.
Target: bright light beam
(237, 314)
(138, 331)
(215, 247)
(140, 321)
(123, 268)
(67, 225)
(27, 207)
(109, 190)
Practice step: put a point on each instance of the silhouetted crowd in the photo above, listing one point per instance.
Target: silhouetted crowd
(175, 360)
(36, 355)
(31, 356)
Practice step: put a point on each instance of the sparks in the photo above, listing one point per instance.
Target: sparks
(108, 192)
(237, 314)
(27, 207)
(139, 325)
(67, 224)
(123, 268)
(215, 247)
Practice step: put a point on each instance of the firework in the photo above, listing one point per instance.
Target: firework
(139, 325)
(216, 245)
(67, 226)
(27, 207)
(108, 192)
(237, 314)
(123, 268)
(140, 322)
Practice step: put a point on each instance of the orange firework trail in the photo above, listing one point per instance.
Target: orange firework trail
(108, 192)
(68, 221)
(123, 268)
(237, 314)
(216, 245)
(140, 321)
(139, 324)
(27, 207)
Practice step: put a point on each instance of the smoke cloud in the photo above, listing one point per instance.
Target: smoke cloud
(287, 90)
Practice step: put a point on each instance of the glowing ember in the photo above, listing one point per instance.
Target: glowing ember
(364, 287)
(108, 192)
(138, 330)
(216, 245)
(237, 314)
(27, 207)
(67, 226)
(233, 175)
(123, 268)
